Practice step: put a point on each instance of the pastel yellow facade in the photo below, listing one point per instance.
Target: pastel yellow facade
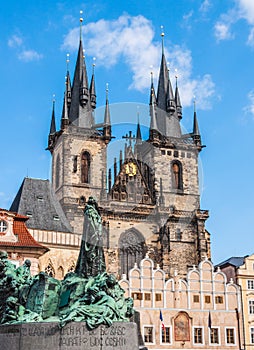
(245, 279)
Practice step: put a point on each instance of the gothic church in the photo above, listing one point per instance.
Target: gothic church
(149, 200)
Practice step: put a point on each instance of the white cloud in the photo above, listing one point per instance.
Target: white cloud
(243, 9)
(250, 107)
(223, 31)
(246, 10)
(29, 56)
(15, 41)
(250, 40)
(132, 40)
(205, 6)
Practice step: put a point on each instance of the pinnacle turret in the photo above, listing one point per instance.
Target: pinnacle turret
(80, 112)
(138, 134)
(196, 133)
(92, 91)
(178, 102)
(107, 123)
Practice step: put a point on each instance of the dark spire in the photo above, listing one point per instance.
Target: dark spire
(52, 131)
(153, 105)
(171, 105)
(92, 90)
(53, 120)
(163, 81)
(178, 102)
(196, 134)
(68, 84)
(65, 112)
(107, 123)
(80, 112)
(138, 133)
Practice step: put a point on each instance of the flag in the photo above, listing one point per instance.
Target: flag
(162, 323)
(209, 320)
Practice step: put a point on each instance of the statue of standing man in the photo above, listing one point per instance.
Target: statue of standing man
(91, 260)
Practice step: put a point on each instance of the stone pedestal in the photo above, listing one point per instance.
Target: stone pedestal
(74, 336)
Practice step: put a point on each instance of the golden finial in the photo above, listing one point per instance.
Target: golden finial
(80, 21)
(194, 103)
(54, 98)
(162, 31)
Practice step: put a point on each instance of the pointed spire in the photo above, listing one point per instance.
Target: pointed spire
(178, 101)
(153, 103)
(80, 112)
(68, 83)
(171, 105)
(196, 134)
(65, 112)
(52, 131)
(53, 119)
(195, 121)
(163, 80)
(92, 88)
(152, 90)
(107, 123)
(138, 133)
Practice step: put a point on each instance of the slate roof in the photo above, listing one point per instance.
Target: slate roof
(24, 238)
(236, 261)
(36, 200)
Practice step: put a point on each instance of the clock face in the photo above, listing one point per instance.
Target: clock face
(3, 226)
(131, 169)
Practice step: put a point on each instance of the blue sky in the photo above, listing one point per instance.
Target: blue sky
(209, 43)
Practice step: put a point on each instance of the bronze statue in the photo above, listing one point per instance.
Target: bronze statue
(91, 260)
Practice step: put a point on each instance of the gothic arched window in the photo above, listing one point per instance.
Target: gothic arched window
(50, 270)
(132, 250)
(57, 171)
(85, 167)
(177, 178)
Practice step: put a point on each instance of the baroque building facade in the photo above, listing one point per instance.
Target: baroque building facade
(149, 200)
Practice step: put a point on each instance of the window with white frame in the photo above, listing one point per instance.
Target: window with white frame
(250, 284)
(230, 336)
(198, 335)
(214, 336)
(252, 335)
(166, 335)
(148, 334)
(251, 307)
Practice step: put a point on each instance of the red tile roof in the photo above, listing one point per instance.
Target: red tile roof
(20, 230)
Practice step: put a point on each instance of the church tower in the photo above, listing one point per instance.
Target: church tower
(173, 158)
(155, 194)
(79, 148)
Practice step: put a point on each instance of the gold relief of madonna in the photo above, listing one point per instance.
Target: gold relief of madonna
(131, 169)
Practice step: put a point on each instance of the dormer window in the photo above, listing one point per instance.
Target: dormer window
(29, 214)
(3, 226)
(56, 217)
